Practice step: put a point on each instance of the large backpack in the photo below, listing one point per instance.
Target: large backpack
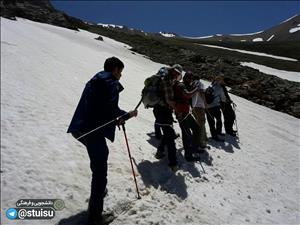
(151, 93)
(209, 95)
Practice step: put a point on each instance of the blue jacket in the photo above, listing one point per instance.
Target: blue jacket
(98, 105)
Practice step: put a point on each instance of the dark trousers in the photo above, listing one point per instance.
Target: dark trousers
(168, 140)
(164, 118)
(98, 153)
(190, 134)
(214, 120)
(229, 117)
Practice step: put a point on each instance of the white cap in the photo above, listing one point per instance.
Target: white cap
(177, 68)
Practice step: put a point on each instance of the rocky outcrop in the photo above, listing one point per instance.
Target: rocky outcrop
(99, 38)
(40, 11)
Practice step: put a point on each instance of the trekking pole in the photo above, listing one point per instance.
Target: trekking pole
(202, 167)
(138, 105)
(130, 159)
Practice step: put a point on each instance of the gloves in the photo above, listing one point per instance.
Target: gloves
(133, 113)
(121, 120)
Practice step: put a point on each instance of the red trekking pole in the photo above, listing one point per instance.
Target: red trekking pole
(130, 159)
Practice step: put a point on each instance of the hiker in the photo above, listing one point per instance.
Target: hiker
(227, 110)
(98, 105)
(189, 127)
(163, 115)
(198, 104)
(157, 129)
(213, 112)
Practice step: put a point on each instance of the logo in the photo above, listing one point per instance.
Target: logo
(35, 209)
(59, 204)
(11, 214)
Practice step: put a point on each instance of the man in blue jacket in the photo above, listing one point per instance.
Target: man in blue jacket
(97, 106)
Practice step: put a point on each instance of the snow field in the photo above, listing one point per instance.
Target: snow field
(43, 71)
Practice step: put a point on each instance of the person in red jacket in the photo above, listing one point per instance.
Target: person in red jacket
(189, 127)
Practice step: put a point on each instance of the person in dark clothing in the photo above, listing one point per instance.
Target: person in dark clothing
(228, 112)
(157, 129)
(163, 116)
(213, 112)
(164, 119)
(97, 106)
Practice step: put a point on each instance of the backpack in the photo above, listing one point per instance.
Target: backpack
(209, 95)
(151, 94)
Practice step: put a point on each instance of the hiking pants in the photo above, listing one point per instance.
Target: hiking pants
(214, 120)
(199, 114)
(229, 117)
(98, 154)
(190, 134)
(164, 119)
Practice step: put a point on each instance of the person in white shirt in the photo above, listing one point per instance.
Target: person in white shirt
(213, 112)
(198, 106)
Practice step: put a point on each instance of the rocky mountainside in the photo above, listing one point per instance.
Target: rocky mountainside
(40, 11)
(288, 30)
(273, 92)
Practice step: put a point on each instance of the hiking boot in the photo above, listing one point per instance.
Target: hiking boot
(107, 218)
(159, 155)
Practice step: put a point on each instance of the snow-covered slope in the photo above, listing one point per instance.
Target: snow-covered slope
(288, 75)
(250, 52)
(43, 71)
(110, 25)
(165, 34)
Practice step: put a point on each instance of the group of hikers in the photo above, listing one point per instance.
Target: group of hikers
(97, 115)
(192, 104)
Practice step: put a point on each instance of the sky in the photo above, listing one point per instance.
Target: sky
(187, 18)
